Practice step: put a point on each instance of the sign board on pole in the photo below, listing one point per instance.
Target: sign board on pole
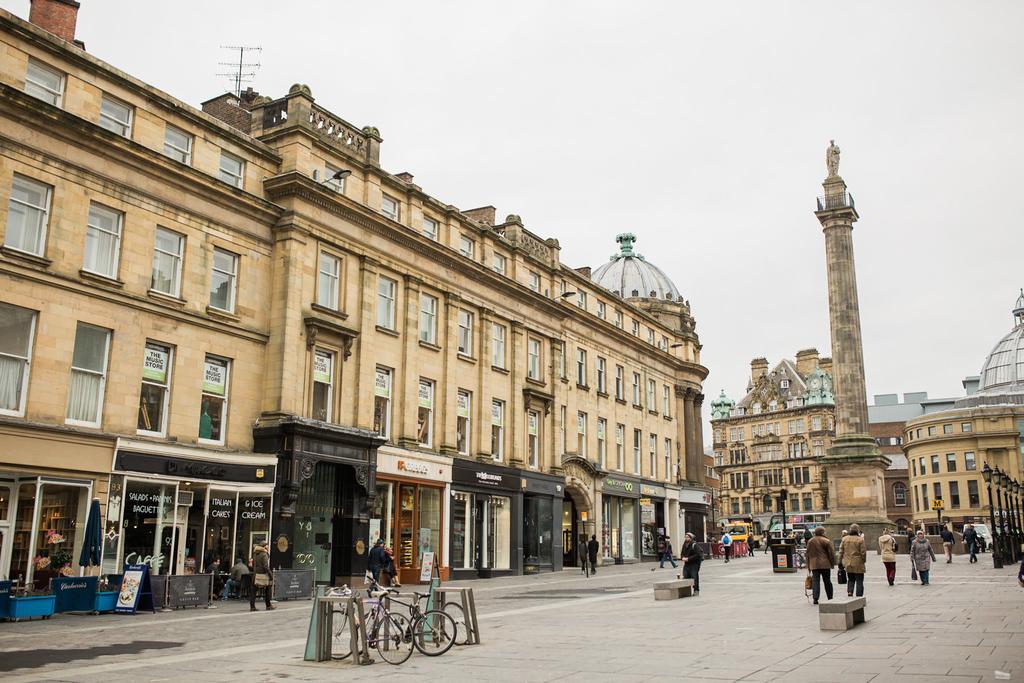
(937, 504)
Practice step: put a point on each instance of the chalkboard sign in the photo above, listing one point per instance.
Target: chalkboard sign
(291, 584)
(135, 591)
(74, 593)
(189, 590)
(159, 586)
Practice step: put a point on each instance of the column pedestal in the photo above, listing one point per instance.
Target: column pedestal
(856, 487)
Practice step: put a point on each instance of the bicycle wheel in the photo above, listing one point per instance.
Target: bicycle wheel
(393, 637)
(434, 633)
(341, 641)
(455, 611)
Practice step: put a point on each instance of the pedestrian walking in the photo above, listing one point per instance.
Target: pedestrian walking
(853, 554)
(692, 556)
(921, 556)
(750, 545)
(377, 559)
(947, 543)
(971, 541)
(582, 551)
(726, 545)
(262, 578)
(592, 547)
(807, 536)
(388, 572)
(821, 558)
(887, 549)
(666, 554)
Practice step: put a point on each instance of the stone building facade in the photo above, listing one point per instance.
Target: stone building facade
(233, 325)
(948, 449)
(774, 439)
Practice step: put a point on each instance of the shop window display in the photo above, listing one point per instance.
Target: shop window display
(538, 520)
(147, 527)
(499, 533)
(429, 522)
(462, 552)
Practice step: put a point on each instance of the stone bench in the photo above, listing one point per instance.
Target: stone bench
(673, 590)
(841, 615)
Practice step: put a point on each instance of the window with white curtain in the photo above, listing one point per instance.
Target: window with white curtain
(17, 329)
(88, 375)
(28, 214)
(102, 241)
(167, 254)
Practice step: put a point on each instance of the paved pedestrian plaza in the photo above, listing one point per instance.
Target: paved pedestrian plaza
(748, 624)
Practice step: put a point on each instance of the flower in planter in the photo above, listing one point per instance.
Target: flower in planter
(41, 562)
(54, 537)
(67, 570)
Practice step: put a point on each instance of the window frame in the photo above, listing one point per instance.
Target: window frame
(26, 363)
(233, 179)
(89, 227)
(464, 423)
(333, 280)
(498, 355)
(232, 278)
(637, 390)
(329, 408)
(602, 442)
(638, 444)
(581, 434)
(388, 399)
(228, 366)
(385, 199)
(431, 390)
(44, 211)
(183, 152)
(464, 340)
(620, 447)
(115, 125)
(428, 317)
(498, 437)
(533, 440)
(179, 260)
(602, 375)
(102, 374)
(166, 386)
(56, 97)
(533, 281)
(533, 358)
(428, 233)
(389, 302)
(499, 264)
(581, 367)
(467, 246)
(620, 383)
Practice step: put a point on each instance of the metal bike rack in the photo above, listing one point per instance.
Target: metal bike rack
(356, 626)
(468, 608)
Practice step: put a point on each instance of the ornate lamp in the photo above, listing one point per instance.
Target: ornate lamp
(987, 474)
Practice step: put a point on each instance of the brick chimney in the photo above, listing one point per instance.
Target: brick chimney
(59, 17)
(584, 271)
(806, 361)
(758, 368)
(484, 214)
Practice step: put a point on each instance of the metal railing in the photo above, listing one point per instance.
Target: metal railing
(841, 200)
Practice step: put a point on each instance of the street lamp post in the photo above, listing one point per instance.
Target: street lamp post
(1013, 548)
(997, 479)
(1020, 527)
(783, 495)
(997, 560)
(1014, 489)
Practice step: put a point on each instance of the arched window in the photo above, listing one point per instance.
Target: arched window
(899, 494)
(902, 525)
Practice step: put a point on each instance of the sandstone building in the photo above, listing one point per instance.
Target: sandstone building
(233, 324)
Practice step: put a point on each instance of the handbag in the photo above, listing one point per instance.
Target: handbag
(808, 582)
(913, 573)
(841, 575)
(261, 580)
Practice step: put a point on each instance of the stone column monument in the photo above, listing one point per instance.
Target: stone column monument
(855, 467)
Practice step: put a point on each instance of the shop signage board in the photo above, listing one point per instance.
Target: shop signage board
(462, 405)
(74, 593)
(189, 590)
(382, 384)
(151, 463)
(426, 566)
(532, 423)
(136, 591)
(154, 364)
(293, 584)
(159, 586)
(485, 477)
(322, 367)
(215, 378)
(652, 491)
(426, 395)
(616, 485)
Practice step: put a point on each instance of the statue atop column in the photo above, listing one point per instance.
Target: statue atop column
(832, 159)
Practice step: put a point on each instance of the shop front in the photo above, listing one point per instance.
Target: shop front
(486, 520)
(579, 511)
(409, 508)
(543, 498)
(47, 480)
(653, 528)
(185, 510)
(326, 481)
(620, 519)
(694, 508)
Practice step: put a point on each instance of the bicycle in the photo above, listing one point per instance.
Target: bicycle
(433, 631)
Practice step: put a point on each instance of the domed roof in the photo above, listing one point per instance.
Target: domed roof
(1004, 366)
(631, 276)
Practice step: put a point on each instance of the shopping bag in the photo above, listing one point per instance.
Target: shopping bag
(808, 582)
(841, 576)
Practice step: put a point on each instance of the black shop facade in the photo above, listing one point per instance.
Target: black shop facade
(323, 497)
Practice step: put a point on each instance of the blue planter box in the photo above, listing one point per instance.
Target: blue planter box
(105, 601)
(32, 606)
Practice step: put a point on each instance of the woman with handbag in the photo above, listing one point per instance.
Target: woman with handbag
(887, 549)
(261, 576)
(921, 557)
(853, 555)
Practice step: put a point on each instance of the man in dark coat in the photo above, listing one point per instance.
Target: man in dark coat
(692, 556)
(821, 558)
(592, 548)
(971, 541)
(377, 560)
(581, 554)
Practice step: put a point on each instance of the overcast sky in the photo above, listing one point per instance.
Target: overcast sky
(699, 126)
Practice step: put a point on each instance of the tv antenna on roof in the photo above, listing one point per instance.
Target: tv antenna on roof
(239, 74)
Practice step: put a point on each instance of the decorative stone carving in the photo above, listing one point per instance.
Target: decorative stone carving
(362, 475)
(337, 131)
(306, 468)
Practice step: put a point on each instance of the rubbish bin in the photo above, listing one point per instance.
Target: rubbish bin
(782, 558)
